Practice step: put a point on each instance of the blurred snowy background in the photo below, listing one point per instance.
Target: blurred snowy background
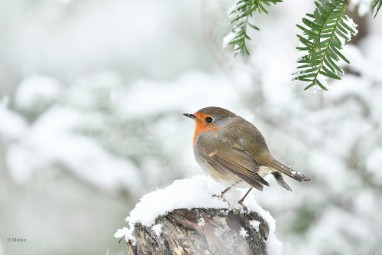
(91, 97)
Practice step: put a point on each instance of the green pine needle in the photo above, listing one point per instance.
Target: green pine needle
(241, 14)
(324, 34)
(376, 5)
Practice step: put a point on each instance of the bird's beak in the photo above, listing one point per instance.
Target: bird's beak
(192, 116)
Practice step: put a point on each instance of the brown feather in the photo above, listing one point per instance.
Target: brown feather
(240, 165)
(273, 163)
(280, 180)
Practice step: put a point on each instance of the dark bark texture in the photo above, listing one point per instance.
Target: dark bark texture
(202, 231)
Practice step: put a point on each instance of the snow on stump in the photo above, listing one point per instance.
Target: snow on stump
(186, 218)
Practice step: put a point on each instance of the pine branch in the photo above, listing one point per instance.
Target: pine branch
(240, 20)
(376, 6)
(324, 34)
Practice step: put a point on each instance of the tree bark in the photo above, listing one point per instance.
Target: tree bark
(202, 231)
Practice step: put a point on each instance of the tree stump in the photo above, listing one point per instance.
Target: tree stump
(190, 217)
(202, 231)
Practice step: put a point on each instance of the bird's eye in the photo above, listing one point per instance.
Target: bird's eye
(209, 119)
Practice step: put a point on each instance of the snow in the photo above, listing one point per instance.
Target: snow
(364, 6)
(201, 222)
(327, 227)
(12, 124)
(234, 13)
(152, 99)
(243, 232)
(52, 141)
(157, 229)
(232, 7)
(195, 192)
(124, 233)
(364, 203)
(37, 89)
(111, 97)
(228, 38)
(255, 224)
(4, 101)
(369, 60)
(350, 23)
(374, 163)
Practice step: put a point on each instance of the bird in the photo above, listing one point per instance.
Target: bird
(233, 151)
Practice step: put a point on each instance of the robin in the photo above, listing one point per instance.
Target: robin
(233, 151)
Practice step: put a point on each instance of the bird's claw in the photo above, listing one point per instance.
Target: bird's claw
(245, 209)
(221, 197)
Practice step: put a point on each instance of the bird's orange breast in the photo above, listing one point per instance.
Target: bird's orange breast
(202, 126)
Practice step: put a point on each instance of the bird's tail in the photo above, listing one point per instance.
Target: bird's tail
(287, 170)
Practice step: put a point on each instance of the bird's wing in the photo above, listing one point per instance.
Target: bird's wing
(237, 162)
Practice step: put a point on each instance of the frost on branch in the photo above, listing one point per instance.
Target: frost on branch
(185, 218)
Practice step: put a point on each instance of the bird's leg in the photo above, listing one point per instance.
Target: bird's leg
(241, 201)
(225, 191)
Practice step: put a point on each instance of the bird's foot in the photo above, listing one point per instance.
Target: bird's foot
(245, 209)
(221, 197)
(241, 201)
